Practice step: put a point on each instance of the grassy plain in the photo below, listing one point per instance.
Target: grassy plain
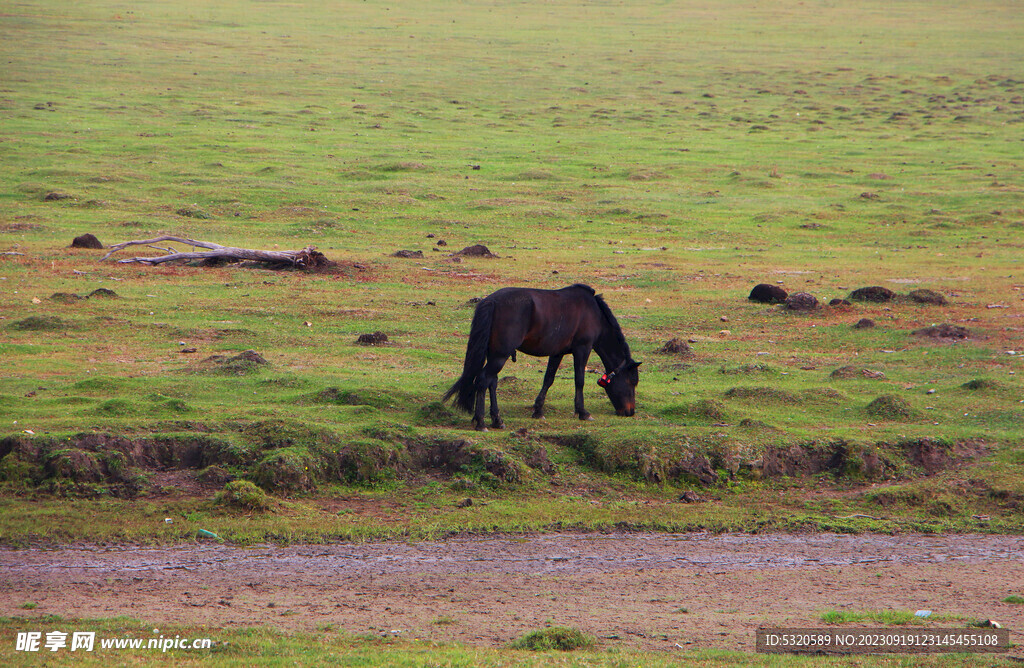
(671, 155)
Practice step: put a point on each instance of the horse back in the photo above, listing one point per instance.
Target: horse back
(544, 322)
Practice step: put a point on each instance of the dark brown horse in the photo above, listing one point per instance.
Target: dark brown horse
(544, 323)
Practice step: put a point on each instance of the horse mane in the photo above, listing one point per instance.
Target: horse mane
(584, 287)
(614, 330)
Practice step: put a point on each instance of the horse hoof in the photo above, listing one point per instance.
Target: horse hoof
(498, 424)
(538, 416)
(481, 428)
(585, 416)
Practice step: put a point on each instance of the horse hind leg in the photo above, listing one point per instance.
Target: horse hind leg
(488, 384)
(496, 420)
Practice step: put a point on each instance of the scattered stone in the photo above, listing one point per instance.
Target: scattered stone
(864, 323)
(57, 196)
(86, 241)
(874, 293)
(928, 297)
(65, 297)
(943, 331)
(375, 339)
(840, 303)
(476, 250)
(408, 254)
(465, 503)
(801, 301)
(103, 293)
(768, 294)
(676, 347)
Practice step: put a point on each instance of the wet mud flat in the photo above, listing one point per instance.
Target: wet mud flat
(652, 591)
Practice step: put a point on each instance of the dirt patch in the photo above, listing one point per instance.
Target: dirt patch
(762, 395)
(86, 241)
(847, 372)
(42, 323)
(676, 347)
(374, 339)
(240, 364)
(476, 250)
(928, 297)
(890, 407)
(874, 293)
(644, 591)
(944, 331)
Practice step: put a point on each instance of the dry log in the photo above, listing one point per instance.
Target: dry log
(305, 258)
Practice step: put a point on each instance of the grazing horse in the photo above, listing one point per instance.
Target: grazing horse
(544, 323)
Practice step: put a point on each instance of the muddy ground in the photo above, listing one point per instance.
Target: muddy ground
(648, 591)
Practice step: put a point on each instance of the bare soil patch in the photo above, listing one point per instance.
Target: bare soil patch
(650, 591)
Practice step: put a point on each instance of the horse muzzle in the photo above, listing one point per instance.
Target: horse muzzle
(626, 411)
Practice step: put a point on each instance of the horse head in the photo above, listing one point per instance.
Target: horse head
(620, 384)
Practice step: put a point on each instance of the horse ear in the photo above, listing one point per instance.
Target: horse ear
(635, 365)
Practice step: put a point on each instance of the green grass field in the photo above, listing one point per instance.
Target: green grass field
(672, 155)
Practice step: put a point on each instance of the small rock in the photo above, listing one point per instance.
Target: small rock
(689, 496)
(768, 294)
(465, 503)
(408, 254)
(864, 323)
(801, 301)
(476, 250)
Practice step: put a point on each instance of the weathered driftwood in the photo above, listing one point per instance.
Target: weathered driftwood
(307, 257)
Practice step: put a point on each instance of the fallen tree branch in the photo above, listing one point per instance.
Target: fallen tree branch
(305, 258)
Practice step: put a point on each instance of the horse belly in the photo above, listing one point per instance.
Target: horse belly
(545, 344)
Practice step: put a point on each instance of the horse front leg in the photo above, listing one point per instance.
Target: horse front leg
(579, 359)
(549, 377)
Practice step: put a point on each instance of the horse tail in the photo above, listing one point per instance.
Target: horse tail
(464, 389)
